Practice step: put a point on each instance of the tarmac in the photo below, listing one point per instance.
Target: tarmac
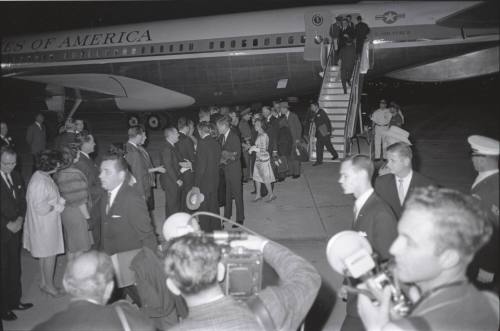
(308, 211)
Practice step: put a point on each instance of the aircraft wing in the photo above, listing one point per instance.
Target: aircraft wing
(129, 94)
(482, 15)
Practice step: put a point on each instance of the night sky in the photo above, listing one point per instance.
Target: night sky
(33, 17)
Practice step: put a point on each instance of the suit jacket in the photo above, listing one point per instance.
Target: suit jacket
(295, 126)
(206, 165)
(127, 224)
(386, 188)
(88, 167)
(272, 128)
(232, 168)
(169, 158)
(321, 118)
(139, 165)
(377, 222)
(11, 208)
(36, 138)
(85, 315)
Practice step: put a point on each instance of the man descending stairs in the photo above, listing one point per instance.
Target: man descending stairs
(335, 103)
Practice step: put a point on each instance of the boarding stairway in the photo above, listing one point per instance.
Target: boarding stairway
(342, 109)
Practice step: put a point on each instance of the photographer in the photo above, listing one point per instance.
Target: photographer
(193, 269)
(438, 234)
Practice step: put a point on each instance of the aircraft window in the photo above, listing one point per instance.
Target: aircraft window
(42, 57)
(162, 48)
(278, 40)
(303, 39)
(171, 48)
(211, 45)
(124, 51)
(117, 52)
(134, 51)
(29, 58)
(266, 42)
(181, 47)
(255, 42)
(233, 43)
(244, 43)
(191, 46)
(143, 50)
(21, 58)
(290, 40)
(152, 49)
(222, 44)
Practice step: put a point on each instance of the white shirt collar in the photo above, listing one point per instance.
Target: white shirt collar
(133, 144)
(113, 194)
(226, 134)
(38, 124)
(482, 175)
(82, 152)
(360, 202)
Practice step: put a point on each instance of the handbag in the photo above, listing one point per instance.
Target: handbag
(323, 130)
(301, 153)
(281, 164)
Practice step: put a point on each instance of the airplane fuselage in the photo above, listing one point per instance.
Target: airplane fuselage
(239, 58)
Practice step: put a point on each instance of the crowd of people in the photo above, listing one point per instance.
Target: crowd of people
(444, 242)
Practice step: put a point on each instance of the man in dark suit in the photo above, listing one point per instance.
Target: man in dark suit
(88, 167)
(13, 210)
(483, 271)
(206, 175)
(296, 131)
(89, 280)
(231, 163)
(361, 31)
(323, 133)
(395, 188)
(335, 30)
(171, 181)
(36, 137)
(372, 217)
(125, 221)
(185, 150)
(140, 164)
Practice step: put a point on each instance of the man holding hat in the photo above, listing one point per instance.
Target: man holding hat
(483, 270)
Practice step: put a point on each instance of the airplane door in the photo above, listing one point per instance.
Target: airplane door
(317, 25)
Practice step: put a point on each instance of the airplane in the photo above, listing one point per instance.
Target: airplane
(246, 57)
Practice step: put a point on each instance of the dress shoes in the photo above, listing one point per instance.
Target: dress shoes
(22, 306)
(295, 176)
(9, 316)
(336, 156)
(317, 163)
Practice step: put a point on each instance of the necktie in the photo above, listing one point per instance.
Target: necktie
(401, 191)
(9, 182)
(108, 204)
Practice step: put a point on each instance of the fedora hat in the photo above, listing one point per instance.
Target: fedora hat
(194, 198)
(179, 224)
(398, 134)
(245, 111)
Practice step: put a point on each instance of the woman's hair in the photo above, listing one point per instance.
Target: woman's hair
(68, 155)
(117, 149)
(48, 160)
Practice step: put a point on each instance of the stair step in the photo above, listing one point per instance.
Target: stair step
(338, 147)
(336, 124)
(338, 132)
(327, 157)
(335, 104)
(334, 93)
(334, 85)
(334, 97)
(334, 68)
(338, 118)
(337, 139)
(331, 111)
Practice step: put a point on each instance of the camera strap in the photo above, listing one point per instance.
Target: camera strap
(427, 294)
(261, 313)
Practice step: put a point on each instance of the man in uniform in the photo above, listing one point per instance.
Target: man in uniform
(36, 137)
(361, 31)
(323, 133)
(484, 268)
(438, 234)
(295, 127)
(381, 119)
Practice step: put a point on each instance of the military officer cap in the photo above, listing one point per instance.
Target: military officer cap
(484, 146)
(284, 104)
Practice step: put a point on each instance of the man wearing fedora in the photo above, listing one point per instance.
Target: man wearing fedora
(483, 271)
(395, 187)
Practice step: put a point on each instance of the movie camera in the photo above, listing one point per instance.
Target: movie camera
(350, 254)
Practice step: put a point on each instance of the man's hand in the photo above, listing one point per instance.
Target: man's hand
(252, 242)
(161, 169)
(179, 182)
(375, 315)
(186, 164)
